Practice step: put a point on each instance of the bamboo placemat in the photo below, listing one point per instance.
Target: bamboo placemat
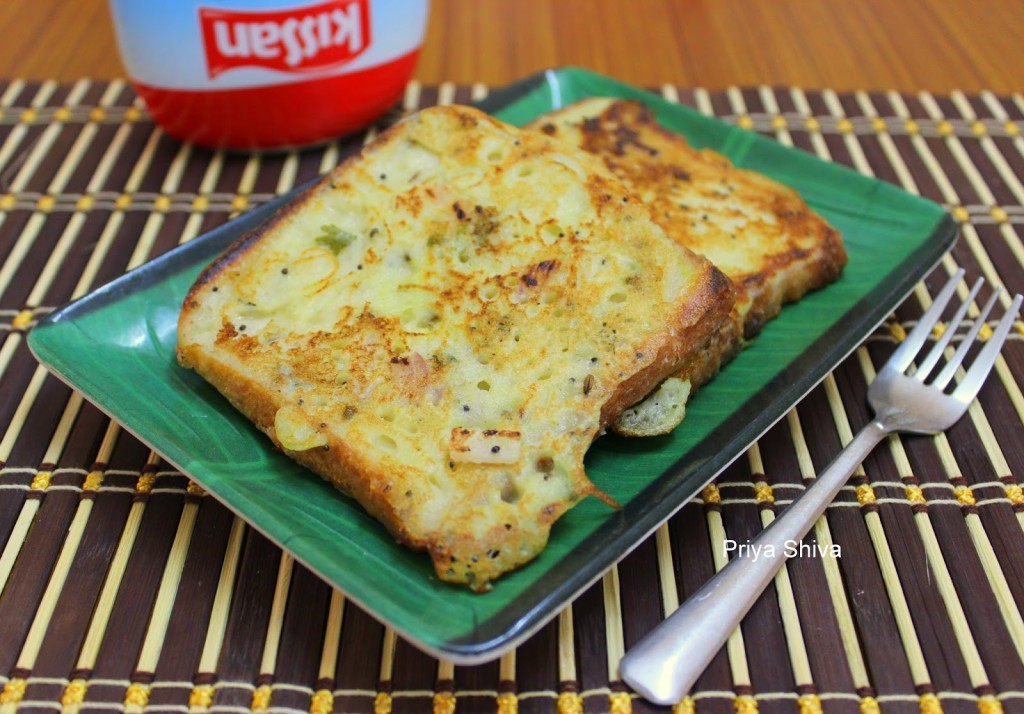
(124, 587)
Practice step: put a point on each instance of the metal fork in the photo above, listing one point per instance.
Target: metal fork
(665, 664)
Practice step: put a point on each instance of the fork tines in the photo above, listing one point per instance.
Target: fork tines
(902, 359)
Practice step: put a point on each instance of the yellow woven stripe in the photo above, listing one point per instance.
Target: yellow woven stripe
(93, 481)
(620, 703)
(41, 482)
(763, 493)
(915, 495)
(965, 496)
(865, 494)
(22, 320)
(568, 703)
(809, 704)
(711, 494)
(201, 697)
(685, 706)
(74, 693)
(14, 691)
(72, 111)
(930, 704)
(869, 705)
(261, 698)
(508, 703)
(1015, 494)
(322, 702)
(745, 704)
(444, 703)
(898, 332)
(137, 695)
(145, 483)
(960, 214)
(382, 703)
(989, 705)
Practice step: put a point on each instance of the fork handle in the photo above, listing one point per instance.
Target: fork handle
(664, 665)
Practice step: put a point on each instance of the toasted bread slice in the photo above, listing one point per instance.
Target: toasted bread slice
(759, 232)
(443, 325)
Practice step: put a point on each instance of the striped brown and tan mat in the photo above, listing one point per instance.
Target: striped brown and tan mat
(124, 587)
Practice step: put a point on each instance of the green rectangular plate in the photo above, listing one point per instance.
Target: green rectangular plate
(117, 347)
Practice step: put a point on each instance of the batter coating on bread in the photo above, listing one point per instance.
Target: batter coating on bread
(443, 325)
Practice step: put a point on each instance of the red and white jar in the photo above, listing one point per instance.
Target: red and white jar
(250, 74)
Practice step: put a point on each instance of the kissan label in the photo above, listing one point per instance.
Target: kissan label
(299, 40)
(235, 44)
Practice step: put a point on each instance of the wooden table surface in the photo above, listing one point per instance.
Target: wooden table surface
(907, 45)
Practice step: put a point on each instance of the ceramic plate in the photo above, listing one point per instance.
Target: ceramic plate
(117, 347)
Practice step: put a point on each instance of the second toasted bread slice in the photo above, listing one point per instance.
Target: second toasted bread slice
(760, 233)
